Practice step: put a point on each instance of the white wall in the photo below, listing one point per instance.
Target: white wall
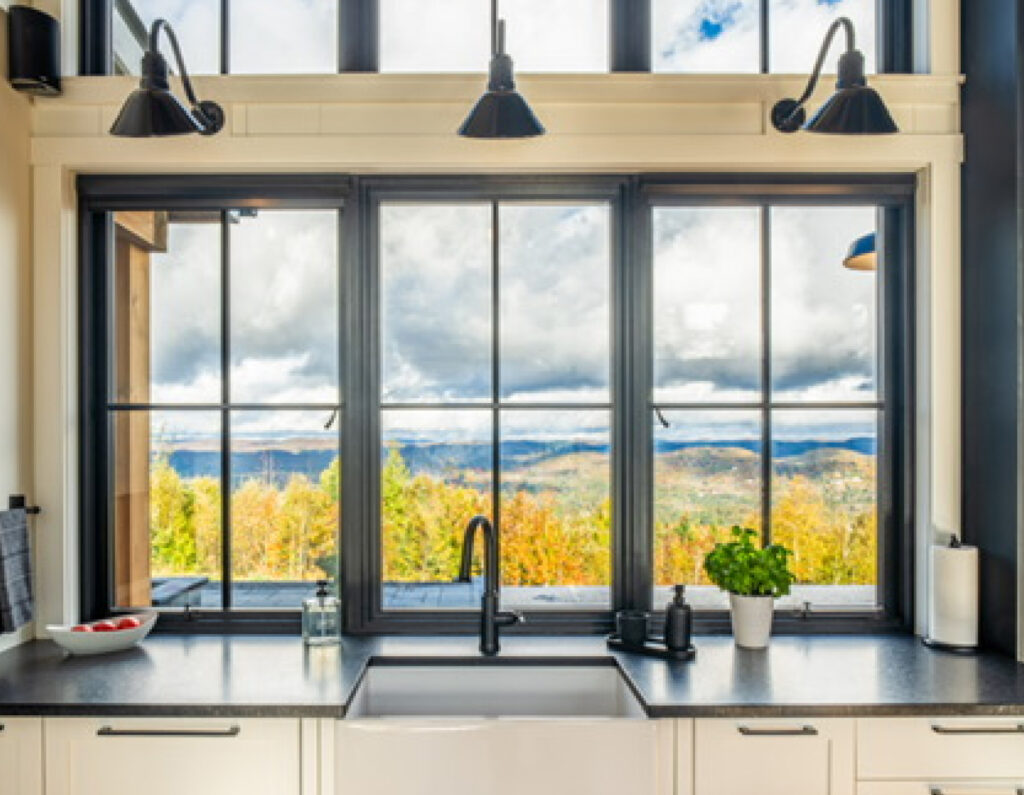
(15, 295)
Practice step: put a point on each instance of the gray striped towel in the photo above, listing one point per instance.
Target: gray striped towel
(15, 571)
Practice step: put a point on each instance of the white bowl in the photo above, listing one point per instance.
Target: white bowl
(102, 642)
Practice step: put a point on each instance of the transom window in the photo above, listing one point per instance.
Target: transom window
(326, 36)
(614, 370)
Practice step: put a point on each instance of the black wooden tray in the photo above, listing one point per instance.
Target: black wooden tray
(653, 647)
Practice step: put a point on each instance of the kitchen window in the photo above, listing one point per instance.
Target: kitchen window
(616, 370)
(548, 36)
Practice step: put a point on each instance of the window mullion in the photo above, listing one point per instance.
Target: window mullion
(630, 29)
(634, 483)
(358, 35)
(766, 375)
(225, 36)
(765, 37)
(496, 371)
(225, 412)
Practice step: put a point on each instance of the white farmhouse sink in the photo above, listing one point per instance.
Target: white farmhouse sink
(493, 690)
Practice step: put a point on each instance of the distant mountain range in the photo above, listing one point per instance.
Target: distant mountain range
(276, 465)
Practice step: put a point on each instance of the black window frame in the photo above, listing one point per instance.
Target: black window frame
(630, 45)
(632, 199)
(96, 352)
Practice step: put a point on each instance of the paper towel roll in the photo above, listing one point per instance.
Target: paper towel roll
(953, 602)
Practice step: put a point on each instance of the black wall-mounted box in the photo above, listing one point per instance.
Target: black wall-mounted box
(33, 64)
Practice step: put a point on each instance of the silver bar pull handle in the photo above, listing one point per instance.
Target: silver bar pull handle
(107, 731)
(800, 731)
(2, 727)
(941, 791)
(1015, 729)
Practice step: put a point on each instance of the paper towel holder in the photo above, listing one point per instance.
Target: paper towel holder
(954, 543)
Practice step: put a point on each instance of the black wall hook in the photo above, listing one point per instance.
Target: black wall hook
(16, 501)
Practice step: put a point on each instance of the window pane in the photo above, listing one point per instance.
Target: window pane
(825, 504)
(284, 307)
(436, 475)
(706, 35)
(283, 36)
(435, 302)
(167, 509)
(196, 23)
(555, 317)
(166, 293)
(285, 501)
(434, 35)
(797, 29)
(557, 35)
(707, 304)
(556, 509)
(823, 315)
(707, 478)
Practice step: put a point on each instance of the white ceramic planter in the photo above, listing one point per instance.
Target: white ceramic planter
(751, 620)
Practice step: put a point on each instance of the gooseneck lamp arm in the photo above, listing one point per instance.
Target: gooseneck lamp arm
(154, 46)
(788, 115)
(208, 114)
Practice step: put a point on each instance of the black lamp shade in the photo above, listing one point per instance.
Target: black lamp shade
(153, 112)
(863, 254)
(501, 114)
(856, 110)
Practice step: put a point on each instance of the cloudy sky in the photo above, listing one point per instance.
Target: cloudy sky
(554, 260)
(300, 36)
(554, 308)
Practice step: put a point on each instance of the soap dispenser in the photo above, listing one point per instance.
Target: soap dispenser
(321, 617)
(678, 621)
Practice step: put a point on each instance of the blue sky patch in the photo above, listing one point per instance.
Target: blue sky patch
(716, 20)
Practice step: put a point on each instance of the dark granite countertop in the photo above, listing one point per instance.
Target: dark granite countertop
(263, 676)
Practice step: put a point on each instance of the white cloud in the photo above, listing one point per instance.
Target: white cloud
(678, 44)
(796, 29)
(284, 36)
(434, 35)
(707, 299)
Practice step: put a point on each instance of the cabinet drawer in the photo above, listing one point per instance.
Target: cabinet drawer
(940, 788)
(774, 757)
(171, 756)
(21, 756)
(940, 748)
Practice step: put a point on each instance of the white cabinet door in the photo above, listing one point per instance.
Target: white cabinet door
(405, 756)
(171, 756)
(21, 756)
(773, 757)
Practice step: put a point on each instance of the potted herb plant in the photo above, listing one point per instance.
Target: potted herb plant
(754, 576)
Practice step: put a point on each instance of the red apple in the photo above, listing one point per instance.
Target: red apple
(104, 626)
(81, 628)
(129, 622)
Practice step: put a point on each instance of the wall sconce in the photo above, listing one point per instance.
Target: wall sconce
(152, 110)
(501, 112)
(854, 109)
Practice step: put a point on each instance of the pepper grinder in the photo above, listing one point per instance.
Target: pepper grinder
(678, 621)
